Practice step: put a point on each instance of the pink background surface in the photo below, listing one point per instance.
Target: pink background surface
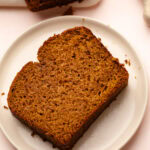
(126, 16)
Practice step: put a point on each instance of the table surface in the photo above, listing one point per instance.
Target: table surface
(125, 16)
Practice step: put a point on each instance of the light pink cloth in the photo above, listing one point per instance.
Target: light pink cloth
(126, 16)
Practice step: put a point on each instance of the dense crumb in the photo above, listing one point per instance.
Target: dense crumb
(3, 94)
(69, 11)
(37, 5)
(5, 107)
(127, 61)
(75, 79)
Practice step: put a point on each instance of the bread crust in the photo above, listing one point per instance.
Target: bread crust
(37, 5)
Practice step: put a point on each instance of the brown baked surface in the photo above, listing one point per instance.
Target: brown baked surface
(37, 5)
(75, 79)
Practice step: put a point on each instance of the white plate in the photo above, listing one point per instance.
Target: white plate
(115, 126)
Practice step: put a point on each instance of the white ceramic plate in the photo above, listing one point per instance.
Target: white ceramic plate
(115, 126)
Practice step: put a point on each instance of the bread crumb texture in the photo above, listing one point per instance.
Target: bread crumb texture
(75, 80)
(5, 107)
(127, 62)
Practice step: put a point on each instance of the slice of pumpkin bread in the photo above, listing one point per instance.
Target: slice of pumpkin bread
(75, 79)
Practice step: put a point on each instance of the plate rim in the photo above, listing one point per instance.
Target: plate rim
(143, 68)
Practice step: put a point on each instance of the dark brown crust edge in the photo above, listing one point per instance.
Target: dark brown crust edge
(48, 4)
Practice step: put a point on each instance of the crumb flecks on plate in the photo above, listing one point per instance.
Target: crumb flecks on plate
(2, 93)
(83, 21)
(127, 61)
(5, 107)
